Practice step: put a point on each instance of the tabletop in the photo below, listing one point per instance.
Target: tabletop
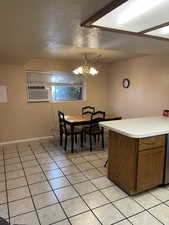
(86, 118)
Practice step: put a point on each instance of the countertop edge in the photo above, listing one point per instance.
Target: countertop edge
(131, 135)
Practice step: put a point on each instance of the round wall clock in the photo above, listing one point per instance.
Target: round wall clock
(126, 83)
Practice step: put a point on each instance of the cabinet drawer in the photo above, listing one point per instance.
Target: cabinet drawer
(151, 142)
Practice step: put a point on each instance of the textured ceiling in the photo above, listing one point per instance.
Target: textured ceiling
(51, 29)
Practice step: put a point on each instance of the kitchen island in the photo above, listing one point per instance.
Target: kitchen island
(138, 150)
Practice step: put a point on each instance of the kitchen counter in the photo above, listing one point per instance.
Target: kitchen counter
(138, 157)
(139, 127)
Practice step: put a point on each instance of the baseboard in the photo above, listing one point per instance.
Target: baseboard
(25, 140)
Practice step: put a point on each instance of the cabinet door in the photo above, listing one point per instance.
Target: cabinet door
(150, 168)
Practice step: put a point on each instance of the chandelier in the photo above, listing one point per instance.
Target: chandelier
(86, 68)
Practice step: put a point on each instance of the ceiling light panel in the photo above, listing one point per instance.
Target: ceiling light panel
(161, 32)
(136, 15)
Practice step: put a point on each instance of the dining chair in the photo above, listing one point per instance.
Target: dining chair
(88, 110)
(66, 131)
(94, 129)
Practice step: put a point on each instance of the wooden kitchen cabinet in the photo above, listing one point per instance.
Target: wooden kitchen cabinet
(136, 164)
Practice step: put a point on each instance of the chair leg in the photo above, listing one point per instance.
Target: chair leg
(81, 139)
(102, 140)
(90, 142)
(85, 137)
(65, 143)
(61, 138)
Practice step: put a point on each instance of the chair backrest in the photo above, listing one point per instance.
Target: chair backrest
(62, 123)
(96, 117)
(88, 110)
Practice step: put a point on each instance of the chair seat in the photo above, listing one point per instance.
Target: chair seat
(93, 130)
(76, 130)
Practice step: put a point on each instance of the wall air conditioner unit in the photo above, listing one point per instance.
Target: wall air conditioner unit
(38, 94)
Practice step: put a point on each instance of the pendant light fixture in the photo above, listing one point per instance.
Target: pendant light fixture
(86, 68)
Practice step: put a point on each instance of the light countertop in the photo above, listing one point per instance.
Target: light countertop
(139, 127)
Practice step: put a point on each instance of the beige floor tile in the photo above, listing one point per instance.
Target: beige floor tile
(28, 218)
(14, 174)
(161, 193)
(4, 211)
(124, 222)
(20, 207)
(13, 167)
(98, 163)
(78, 160)
(49, 166)
(66, 193)
(51, 214)
(33, 170)
(63, 222)
(92, 174)
(44, 161)
(76, 178)
(91, 157)
(161, 212)
(18, 193)
(11, 155)
(88, 219)
(12, 161)
(85, 166)
(2, 177)
(2, 169)
(15, 183)
(35, 178)
(102, 182)
(2, 186)
(95, 199)
(128, 206)
(70, 170)
(64, 163)
(108, 214)
(25, 153)
(74, 206)
(3, 198)
(146, 200)
(25, 158)
(85, 187)
(103, 170)
(59, 183)
(31, 163)
(39, 188)
(54, 174)
(144, 218)
(45, 199)
(114, 193)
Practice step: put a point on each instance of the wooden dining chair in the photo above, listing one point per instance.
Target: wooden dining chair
(88, 110)
(66, 131)
(94, 129)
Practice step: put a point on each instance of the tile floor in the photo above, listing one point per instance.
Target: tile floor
(40, 184)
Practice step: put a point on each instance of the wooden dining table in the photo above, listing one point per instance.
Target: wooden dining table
(79, 120)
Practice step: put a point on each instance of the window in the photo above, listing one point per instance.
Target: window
(55, 86)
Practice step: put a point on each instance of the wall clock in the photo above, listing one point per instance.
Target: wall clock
(126, 83)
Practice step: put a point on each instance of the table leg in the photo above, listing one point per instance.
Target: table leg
(72, 138)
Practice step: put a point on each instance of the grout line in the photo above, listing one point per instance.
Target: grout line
(51, 185)
(6, 188)
(30, 191)
(48, 152)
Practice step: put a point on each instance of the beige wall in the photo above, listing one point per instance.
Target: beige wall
(22, 120)
(148, 94)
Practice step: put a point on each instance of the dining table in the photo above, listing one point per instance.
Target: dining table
(80, 120)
